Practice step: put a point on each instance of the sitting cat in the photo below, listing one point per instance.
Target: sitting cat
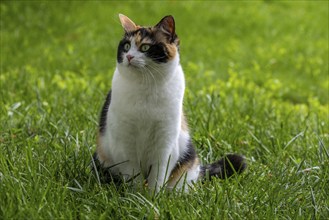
(143, 133)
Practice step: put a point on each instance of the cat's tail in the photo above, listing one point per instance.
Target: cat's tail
(223, 168)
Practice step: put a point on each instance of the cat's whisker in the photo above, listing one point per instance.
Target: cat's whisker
(147, 73)
(143, 78)
(148, 76)
(155, 83)
(156, 70)
(144, 75)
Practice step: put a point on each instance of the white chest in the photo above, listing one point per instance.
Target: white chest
(142, 119)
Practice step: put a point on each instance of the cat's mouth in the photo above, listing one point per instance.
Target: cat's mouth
(133, 66)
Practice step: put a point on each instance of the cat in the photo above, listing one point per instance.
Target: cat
(143, 133)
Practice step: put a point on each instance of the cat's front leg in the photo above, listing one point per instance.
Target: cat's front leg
(161, 167)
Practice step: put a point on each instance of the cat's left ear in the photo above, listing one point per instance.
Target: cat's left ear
(127, 24)
(167, 24)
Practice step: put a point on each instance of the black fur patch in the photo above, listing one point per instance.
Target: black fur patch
(188, 156)
(225, 167)
(121, 50)
(103, 117)
(145, 32)
(158, 53)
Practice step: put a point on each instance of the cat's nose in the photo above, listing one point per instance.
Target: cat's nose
(129, 57)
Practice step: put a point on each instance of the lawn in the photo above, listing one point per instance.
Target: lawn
(257, 84)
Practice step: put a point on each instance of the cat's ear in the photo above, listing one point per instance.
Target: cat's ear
(127, 24)
(167, 24)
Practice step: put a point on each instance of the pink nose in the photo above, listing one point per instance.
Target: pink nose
(129, 57)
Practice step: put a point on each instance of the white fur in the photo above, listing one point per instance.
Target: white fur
(143, 124)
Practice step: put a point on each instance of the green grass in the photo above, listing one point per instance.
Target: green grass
(257, 84)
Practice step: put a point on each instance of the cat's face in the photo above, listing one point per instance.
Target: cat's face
(147, 49)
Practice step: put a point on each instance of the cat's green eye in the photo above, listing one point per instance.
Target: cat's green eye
(145, 47)
(126, 46)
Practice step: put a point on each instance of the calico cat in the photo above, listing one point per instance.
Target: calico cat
(143, 134)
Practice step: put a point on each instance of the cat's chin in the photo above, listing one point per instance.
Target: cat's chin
(130, 68)
(130, 71)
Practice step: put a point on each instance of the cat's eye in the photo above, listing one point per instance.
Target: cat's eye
(126, 46)
(145, 47)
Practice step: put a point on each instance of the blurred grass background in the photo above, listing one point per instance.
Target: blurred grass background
(257, 84)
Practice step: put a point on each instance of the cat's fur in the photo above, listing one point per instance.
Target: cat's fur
(143, 133)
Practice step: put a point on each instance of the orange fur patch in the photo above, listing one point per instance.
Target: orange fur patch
(171, 49)
(139, 40)
(184, 125)
(178, 173)
(103, 159)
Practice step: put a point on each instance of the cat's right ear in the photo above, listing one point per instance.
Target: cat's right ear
(127, 24)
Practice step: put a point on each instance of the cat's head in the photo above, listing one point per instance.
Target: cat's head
(145, 49)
